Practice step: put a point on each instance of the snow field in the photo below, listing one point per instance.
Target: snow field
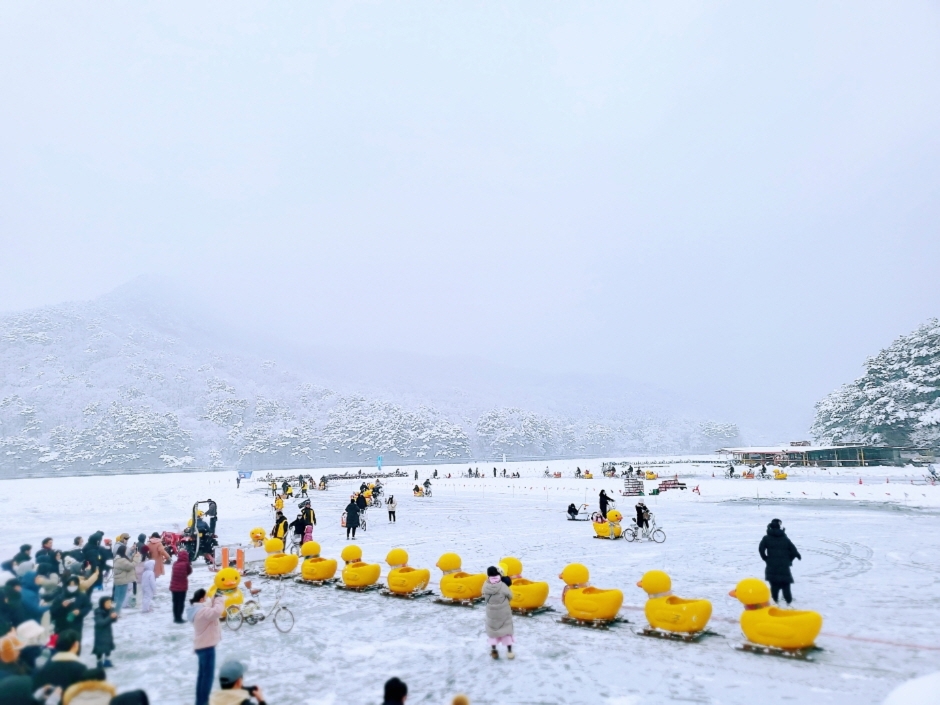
(870, 565)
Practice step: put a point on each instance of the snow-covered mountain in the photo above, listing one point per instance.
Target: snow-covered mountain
(136, 379)
(897, 400)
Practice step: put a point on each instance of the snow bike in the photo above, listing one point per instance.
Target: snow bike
(252, 613)
(933, 478)
(582, 514)
(650, 533)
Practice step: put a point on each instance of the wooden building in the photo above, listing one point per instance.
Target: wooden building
(849, 455)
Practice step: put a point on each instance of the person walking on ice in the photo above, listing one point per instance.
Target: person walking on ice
(497, 595)
(392, 506)
(352, 517)
(777, 551)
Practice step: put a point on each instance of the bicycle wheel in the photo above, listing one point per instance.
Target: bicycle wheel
(659, 536)
(295, 549)
(630, 535)
(283, 620)
(233, 618)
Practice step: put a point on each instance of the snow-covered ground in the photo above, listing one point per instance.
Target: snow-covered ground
(871, 564)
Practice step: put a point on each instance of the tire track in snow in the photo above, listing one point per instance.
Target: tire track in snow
(847, 563)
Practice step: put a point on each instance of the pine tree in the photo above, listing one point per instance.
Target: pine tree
(896, 402)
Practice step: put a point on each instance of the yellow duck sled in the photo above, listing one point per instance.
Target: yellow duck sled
(316, 570)
(528, 596)
(358, 576)
(278, 564)
(604, 527)
(457, 587)
(771, 630)
(669, 616)
(403, 580)
(588, 606)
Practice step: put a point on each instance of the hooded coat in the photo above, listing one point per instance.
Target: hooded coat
(352, 515)
(148, 581)
(62, 610)
(498, 610)
(104, 639)
(92, 550)
(179, 575)
(124, 571)
(777, 551)
(158, 554)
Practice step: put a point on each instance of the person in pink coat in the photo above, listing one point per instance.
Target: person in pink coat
(158, 554)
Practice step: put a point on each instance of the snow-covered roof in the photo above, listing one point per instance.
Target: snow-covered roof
(782, 449)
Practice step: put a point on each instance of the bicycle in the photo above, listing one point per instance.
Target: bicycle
(252, 612)
(294, 544)
(650, 533)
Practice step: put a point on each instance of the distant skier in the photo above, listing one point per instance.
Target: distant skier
(777, 551)
(238, 481)
(416, 475)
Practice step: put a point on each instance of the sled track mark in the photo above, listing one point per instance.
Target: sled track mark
(848, 564)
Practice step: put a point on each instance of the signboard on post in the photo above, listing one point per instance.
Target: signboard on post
(244, 474)
(378, 462)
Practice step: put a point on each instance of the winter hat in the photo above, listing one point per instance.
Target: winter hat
(25, 548)
(230, 672)
(141, 538)
(24, 567)
(492, 571)
(775, 524)
(10, 648)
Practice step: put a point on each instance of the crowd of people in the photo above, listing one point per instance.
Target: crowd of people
(45, 606)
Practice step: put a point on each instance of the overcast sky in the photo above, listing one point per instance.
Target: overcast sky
(735, 199)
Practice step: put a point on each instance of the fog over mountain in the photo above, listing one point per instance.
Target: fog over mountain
(143, 378)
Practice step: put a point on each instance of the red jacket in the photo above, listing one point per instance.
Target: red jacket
(179, 576)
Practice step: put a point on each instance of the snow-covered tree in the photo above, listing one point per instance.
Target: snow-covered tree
(896, 401)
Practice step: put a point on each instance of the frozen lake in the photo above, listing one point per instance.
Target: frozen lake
(870, 565)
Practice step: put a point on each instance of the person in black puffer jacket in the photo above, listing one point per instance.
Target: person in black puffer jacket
(777, 551)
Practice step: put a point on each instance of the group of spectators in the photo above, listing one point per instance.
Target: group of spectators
(43, 610)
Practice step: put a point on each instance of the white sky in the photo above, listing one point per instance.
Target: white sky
(714, 197)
